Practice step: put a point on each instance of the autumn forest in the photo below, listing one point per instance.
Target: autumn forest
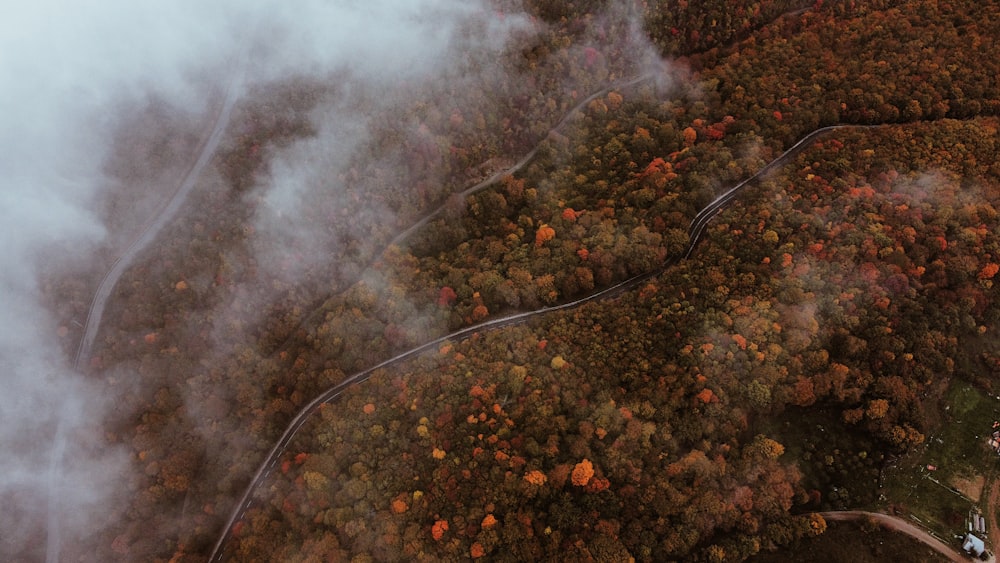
(853, 281)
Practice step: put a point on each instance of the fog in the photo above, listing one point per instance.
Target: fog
(109, 111)
(72, 73)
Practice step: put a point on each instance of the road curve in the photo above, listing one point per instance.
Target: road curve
(696, 229)
(158, 221)
(899, 525)
(211, 137)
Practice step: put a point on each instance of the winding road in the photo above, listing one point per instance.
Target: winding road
(158, 221)
(211, 136)
(705, 215)
(696, 230)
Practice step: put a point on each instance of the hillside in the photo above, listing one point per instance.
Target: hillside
(854, 282)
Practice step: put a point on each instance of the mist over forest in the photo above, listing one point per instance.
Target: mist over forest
(86, 82)
(211, 215)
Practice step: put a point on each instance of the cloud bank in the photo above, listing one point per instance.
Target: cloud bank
(72, 73)
(68, 69)
(75, 77)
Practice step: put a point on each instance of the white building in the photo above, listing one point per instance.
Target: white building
(973, 545)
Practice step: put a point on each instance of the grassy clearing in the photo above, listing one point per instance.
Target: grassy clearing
(958, 451)
(843, 466)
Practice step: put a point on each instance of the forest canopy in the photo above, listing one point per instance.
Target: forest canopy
(855, 279)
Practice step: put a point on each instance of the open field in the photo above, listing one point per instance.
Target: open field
(939, 483)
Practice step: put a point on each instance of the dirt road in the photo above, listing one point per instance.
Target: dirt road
(992, 504)
(900, 525)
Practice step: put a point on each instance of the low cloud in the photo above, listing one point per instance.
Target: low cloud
(74, 75)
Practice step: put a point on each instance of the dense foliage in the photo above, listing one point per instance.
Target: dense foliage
(806, 294)
(857, 279)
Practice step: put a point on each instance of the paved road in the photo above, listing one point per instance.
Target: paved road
(712, 209)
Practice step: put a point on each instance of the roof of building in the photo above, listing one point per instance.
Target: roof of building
(974, 545)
